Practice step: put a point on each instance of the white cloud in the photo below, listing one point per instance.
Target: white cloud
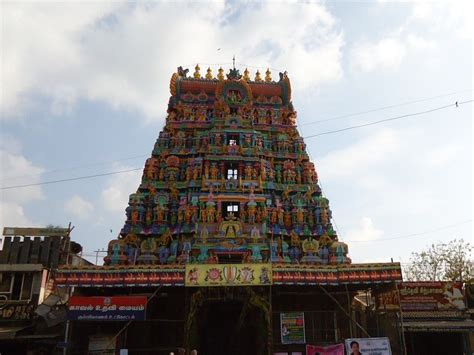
(441, 156)
(366, 231)
(419, 43)
(382, 170)
(40, 45)
(453, 17)
(79, 207)
(124, 54)
(387, 53)
(13, 215)
(10, 144)
(119, 187)
(359, 158)
(18, 170)
(444, 17)
(426, 25)
(15, 169)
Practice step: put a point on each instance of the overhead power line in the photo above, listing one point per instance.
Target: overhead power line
(389, 119)
(411, 235)
(70, 179)
(383, 108)
(76, 167)
(457, 104)
(146, 155)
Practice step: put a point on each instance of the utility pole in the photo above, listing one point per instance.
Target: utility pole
(97, 254)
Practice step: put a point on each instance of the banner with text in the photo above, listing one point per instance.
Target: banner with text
(107, 308)
(228, 275)
(368, 346)
(423, 296)
(292, 328)
(336, 349)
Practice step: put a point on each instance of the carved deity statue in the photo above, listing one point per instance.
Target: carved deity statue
(251, 213)
(248, 172)
(300, 216)
(214, 171)
(211, 212)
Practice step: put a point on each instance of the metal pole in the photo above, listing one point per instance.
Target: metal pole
(270, 325)
(349, 307)
(345, 311)
(186, 320)
(96, 256)
(401, 319)
(67, 243)
(66, 338)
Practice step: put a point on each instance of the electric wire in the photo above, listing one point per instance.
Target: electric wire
(75, 167)
(457, 104)
(382, 108)
(388, 119)
(70, 179)
(413, 234)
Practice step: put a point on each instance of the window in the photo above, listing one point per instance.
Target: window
(233, 208)
(230, 207)
(16, 286)
(232, 174)
(233, 139)
(231, 171)
(5, 282)
(27, 286)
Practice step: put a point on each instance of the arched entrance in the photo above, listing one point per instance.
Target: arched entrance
(231, 321)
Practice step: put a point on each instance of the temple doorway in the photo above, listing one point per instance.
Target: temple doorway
(230, 327)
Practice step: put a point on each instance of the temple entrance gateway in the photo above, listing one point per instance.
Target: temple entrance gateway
(230, 320)
(223, 330)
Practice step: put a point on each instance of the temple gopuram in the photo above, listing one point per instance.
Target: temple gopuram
(228, 242)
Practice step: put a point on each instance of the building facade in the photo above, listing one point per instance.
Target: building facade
(31, 316)
(437, 316)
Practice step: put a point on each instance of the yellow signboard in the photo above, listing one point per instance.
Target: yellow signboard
(203, 275)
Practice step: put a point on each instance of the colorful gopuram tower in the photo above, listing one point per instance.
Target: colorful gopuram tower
(228, 237)
(229, 181)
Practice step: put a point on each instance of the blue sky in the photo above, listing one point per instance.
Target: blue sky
(85, 89)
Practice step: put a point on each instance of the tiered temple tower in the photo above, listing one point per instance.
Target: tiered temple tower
(228, 234)
(229, 181)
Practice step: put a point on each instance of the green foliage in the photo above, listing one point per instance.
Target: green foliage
(450, 261)
(52, 226)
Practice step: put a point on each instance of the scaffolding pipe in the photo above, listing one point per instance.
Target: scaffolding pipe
(344, 311)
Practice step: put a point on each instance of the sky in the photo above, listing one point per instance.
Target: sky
(85, 85)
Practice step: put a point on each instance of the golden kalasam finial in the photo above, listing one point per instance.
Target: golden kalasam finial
(268, 75)
(196, 74)
(220, 74)
(209, 74)
(257, 76)
(246, 76)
